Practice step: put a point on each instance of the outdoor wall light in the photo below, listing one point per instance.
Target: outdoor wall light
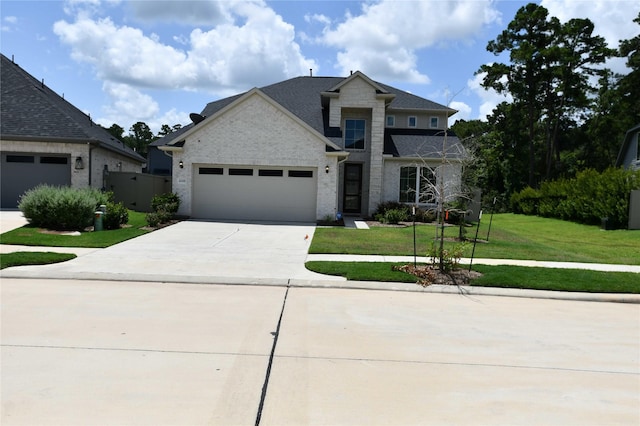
(326, 169)
(181, 164)
(79, 163)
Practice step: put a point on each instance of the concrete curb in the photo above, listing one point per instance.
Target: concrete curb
(467, 291)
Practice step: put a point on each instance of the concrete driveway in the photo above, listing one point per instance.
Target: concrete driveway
(198, 252)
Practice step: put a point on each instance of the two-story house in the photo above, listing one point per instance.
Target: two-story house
(310, 147)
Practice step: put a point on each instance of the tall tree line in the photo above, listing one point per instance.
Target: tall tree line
(569, 112)
(140, 135)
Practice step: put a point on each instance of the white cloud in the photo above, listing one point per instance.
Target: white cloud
(128, 106)
(464, 111)
(220, 60)
(127, 102)
(489, 98)
(229, 58)
(612, 19)
(323, 19)
(383, 39)
(10, 22)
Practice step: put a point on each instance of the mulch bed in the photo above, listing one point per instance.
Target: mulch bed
(428, 275)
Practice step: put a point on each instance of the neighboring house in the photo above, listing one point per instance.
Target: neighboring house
(310, 147)
(46, 140)
(629, 155)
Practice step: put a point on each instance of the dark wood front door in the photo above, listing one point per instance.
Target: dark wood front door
(352, 198)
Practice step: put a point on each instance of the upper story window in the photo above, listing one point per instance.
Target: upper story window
(413, 121)
(434, 122)
(391, 120)
(354, 132)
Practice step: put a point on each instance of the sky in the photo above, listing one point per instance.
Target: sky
(155, 61)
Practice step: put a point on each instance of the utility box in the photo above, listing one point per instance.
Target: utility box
(97, 221)
(634, 210)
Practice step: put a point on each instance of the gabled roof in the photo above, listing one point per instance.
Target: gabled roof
(303, 98)
(176, 138)
(31, 112)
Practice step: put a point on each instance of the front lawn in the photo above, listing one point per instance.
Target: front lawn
(33, 258)
(33, 236)
(573, 280)
(511, 237)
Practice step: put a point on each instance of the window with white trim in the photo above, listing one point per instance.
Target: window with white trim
(354, 133)
(391, 120)
(434, 122)
(412, 121)
(417, 185)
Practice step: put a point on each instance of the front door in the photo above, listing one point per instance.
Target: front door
(352, 201)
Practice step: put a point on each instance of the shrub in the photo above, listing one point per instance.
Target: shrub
(587, 198)
(153, 219)
(164, 207)
(394, 216)
(450, 256)
(169, 203)
(425, 216)
(61, 208)
(525, 201)
(117, 215)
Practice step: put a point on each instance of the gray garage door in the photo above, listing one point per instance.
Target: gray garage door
(23, 171)
(254, 193)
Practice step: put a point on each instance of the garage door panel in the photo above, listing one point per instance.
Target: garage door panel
(273, 194)
(23, 171)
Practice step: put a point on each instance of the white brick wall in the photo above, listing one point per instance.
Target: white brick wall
(391, 191)
(256, 132)
(358, 93)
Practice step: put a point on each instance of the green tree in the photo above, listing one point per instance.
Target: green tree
(549, 79)
(629, 84)
(527, 38)
(139, 138)
(165, 129)
(116, 131)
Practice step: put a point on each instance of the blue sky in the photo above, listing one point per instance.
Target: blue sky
(157, 61)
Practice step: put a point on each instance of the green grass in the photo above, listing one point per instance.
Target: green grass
(361, 271)
(572, 280)
(33, 258)
(32, 236)
(511, 237)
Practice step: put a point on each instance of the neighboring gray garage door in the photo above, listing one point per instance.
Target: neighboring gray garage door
(254, 193)
(23, 171)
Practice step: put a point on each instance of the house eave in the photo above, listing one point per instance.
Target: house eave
(422, 159)
(171, 148)
(79, 141)
(339, 154)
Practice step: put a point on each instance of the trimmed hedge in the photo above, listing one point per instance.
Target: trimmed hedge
(117, 215)
(164, 207)
(587, 198)
(61, 208)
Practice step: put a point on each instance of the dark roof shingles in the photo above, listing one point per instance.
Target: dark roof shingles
(30, 110)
